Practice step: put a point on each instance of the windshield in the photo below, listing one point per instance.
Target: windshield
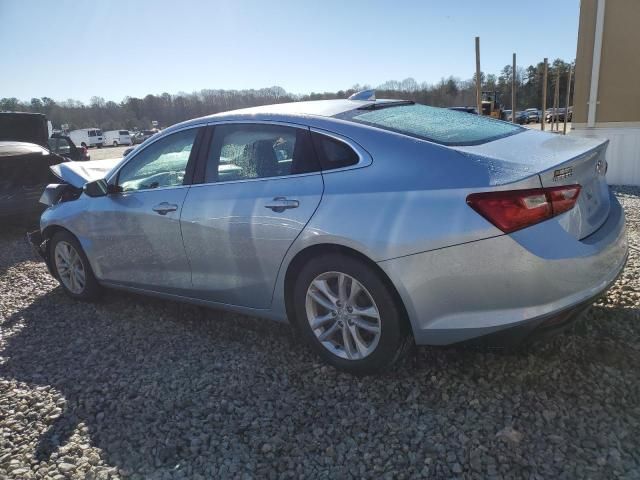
(440, 125)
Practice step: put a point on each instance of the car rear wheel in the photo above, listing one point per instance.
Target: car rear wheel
(115, 143)
(349, 316)
(83, 145)
(72, 268)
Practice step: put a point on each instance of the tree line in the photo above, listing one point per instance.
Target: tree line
(137, 113)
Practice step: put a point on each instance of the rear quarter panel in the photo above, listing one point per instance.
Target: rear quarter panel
(410, 199)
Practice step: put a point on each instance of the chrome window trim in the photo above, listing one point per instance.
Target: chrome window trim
(142, 148)
(261, 179)
(132, 192)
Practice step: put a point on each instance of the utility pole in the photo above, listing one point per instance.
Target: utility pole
(478, 80)
(544, 93)
(556, 102)
(513, 90)
(566, 110)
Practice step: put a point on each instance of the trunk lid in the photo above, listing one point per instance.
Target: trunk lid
(79, 173)
(559, 160)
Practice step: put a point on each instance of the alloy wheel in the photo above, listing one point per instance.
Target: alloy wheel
(70, 267)
(343, 315)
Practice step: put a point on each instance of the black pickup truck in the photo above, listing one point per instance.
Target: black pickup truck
(24, 127)
(24, 174)
(25, 158)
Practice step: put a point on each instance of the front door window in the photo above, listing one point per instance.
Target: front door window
(161, 164)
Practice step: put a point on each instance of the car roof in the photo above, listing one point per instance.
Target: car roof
(287, 111)
(324, 108)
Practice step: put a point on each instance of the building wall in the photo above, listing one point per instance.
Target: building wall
(618, 108)
(584, 57)
(618, 92)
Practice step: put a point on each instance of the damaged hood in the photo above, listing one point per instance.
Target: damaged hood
(79, 173)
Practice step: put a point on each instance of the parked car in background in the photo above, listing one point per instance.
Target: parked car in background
(24, 127)
(276, 222)
(533, 115)
(117, 137)
(473, 110)
(521, 117)
(142, 135)
(24, 173)
(87, 137)
(559, 114)
(64, 146)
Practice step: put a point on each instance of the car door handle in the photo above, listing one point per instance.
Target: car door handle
(164, 208)
(280, 204)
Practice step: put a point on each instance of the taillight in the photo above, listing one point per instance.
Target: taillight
(563, 198)
(512, 210)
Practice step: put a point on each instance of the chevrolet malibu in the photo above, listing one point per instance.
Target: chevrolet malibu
(370, 225)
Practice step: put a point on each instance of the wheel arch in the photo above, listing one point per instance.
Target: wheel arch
(313, 251)
(50, 230)
(47, 234)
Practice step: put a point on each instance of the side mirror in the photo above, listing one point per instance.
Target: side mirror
(97, 188)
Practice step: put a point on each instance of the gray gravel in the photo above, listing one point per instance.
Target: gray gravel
(140, 388)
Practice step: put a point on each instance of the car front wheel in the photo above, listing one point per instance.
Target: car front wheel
(72, 268)
(349, 316)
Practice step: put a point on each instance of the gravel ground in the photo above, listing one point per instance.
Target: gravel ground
(107, 152)
(141, 388)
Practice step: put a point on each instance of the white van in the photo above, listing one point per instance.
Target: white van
(117, 137)
(87, 137)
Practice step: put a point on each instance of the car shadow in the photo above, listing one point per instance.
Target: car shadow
(160, 385)
(17, 248)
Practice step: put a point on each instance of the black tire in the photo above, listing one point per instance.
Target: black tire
(115, 143)
(395, 339)
(83, 145)
(99, 145)
(92, 289)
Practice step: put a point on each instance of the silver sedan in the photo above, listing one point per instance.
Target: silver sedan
(370, 225)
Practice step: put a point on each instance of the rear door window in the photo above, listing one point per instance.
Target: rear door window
(252, 151)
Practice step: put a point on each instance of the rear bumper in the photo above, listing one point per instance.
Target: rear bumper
(536, 328)
(518, 283)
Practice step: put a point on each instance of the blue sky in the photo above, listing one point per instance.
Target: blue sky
(110, 48)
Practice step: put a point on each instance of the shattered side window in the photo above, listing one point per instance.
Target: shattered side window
(440, 125)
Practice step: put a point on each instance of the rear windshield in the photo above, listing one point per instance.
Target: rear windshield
(439, 125)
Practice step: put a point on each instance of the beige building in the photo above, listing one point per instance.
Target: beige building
(607, 84)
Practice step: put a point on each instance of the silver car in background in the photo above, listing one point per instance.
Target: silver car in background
(371, 225)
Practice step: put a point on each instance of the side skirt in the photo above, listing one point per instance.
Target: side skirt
(268, 314)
